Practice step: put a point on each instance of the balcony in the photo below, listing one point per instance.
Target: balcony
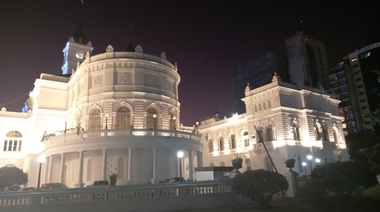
(71, 137)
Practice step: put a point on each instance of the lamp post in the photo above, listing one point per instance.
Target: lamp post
(304, 166)
(40, 161)
(309, 157)
(180, 155)
(174, 126)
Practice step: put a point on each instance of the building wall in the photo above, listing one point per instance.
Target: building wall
(283, 121)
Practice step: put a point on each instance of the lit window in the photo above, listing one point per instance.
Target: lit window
(123, 118)
(94, 120)
(13, 142)
(151, 119)
(232, 142)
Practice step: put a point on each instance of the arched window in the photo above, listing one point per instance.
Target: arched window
(173, 122)
(13, 142)
(221, 144)
(210, 146)
(123, 118)
(260, 107)
(232, 142)
(255, 108)
(318, 130)
(151, 119)
(246, 138)
(325, 135)
(264, 106)
(260, 135)
(94, 120)
(335, 129)
(269, 133)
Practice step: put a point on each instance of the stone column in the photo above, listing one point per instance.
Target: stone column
(104, 171)
(153, 165)
(199, 159)
(191, 165)
(50, 171)
(129, 165)
(62, 168)
(80, 179)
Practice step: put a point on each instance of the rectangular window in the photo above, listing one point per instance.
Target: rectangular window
(14, 146)
(5, 145)
(10, 144)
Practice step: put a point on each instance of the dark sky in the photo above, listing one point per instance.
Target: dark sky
(208, 39)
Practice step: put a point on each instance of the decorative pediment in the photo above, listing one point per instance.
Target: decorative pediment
(109, 48)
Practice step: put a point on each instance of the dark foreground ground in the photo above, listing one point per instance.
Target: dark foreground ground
(277, 205)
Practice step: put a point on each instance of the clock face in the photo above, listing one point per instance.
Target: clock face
(79, 55)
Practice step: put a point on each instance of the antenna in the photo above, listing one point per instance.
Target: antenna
(216, 107)
(299, 27)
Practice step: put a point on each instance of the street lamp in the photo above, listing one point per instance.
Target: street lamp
(180, 155)
(317, 160)
(304, 166)
(40, 161)
(309, 157)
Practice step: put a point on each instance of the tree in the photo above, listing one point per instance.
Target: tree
(337, 186)
(373, 156)
(259, 185)
(12, 176)
(338, 179)
(356, 142)
(237, 163)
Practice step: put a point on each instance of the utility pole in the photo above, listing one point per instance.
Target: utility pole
(266, 149)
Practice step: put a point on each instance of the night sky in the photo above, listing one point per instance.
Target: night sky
(209, 40)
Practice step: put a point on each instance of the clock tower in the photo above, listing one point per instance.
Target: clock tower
(75, 50)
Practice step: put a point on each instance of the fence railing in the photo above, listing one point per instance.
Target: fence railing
(153, 197)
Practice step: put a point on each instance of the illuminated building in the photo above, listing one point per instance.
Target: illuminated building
(119, 113)
(111, 113)
(290, 121)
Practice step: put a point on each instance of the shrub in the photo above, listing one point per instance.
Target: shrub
(259, 185)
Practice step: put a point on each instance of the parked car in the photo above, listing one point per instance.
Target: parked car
(173, 180)
(99, 183)
(53, 186)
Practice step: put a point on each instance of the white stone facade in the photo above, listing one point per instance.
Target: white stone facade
(118, 112)
(290, 121)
